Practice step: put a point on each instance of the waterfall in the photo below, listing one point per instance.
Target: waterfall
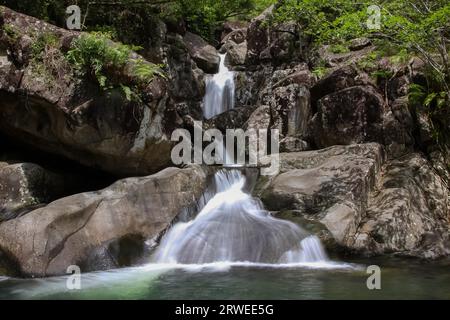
(219, 95)
(234, 227)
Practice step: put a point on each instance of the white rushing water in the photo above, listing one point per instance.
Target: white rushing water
(219, 95)
(234, 227)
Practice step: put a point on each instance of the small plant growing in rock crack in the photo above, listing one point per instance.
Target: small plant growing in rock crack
(46, 59)
(320, 72)
(146, 72)
(339, 48)
(96, 55)
(11, 32)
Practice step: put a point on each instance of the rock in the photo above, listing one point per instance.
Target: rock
(284, 90)
(274, 44)
(313, 181)
(341, 220)
(89, 229)
(303, 77)
(24, 186)
(237, 36)
(187, 81)
(359, 44)
(258, 36)
(235, 44)
(339, 79)
(367, 205)
(175, 25)
(232, 26)
(8, 267)
(349, 111)
(290, 109)
(385, 117)
(425, 128)
(293, 144)
(230, 119)
(439, 160)
(408, 214)
(329, 187)
(329, 59)
(60, 113)
(352, 115)
(202, 53)
(236, 53)
(259, 119)
(250, 85)
(398, 129)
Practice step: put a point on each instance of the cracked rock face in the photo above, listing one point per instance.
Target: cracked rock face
(98, 230)
(364, 203)
(408, 212)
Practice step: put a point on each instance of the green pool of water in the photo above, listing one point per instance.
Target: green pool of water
(400, 279)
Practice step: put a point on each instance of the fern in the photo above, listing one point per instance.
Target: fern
(146, 72)
(127, 92)
(94, 53)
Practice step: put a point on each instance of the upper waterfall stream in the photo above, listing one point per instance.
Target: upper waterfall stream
(219, 95)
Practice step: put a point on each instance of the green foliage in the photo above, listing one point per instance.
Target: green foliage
(382, 74)
(408, 29)
(368, 62)
(205, 16)
(435, 105)
(42, 44)
(127, 92)
(146, 72)
(95, 55)
(11, 31)
(433, 101)
(320, 72)
(416, 94)
(339, 48)
(261, 5)
(49, 10)
(46, 59)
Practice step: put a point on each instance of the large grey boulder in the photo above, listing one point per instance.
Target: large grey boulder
(351, 115)
(187, 80)
(98, 230)
(236, 53)
(290, 109)
(360, 203)
(272, 43)
(313, 181)
(360, 114)
(204, 54)
(408, 213)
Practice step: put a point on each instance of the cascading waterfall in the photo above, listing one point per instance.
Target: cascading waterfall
(234, 227)
(219, 95)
